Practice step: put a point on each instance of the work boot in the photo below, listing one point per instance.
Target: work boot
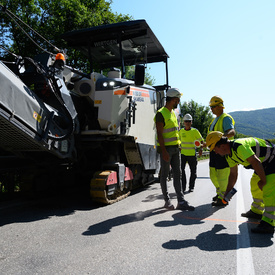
(185, 206)
(252, 215)
(168, 205)
(215, 198)
(263, 228)
(219, 202)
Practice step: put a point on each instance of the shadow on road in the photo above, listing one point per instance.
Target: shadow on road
(179, 218)
(24, 211)
(187, 218)
(212, 240)
(33, 209)
(106, 226)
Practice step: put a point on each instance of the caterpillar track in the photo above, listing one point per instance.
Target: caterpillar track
(105, 189)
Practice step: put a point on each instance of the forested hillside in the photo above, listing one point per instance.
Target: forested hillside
(257, 123)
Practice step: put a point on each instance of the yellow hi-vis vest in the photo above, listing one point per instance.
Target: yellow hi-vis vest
(219, 124)
(188, 139)
(170, 130)
(243, 148)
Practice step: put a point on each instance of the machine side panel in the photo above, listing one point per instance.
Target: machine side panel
(149, 156)
(143, 129)
(20, 101)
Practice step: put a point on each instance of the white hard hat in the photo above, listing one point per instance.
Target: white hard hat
(173, 92)
(187, 117)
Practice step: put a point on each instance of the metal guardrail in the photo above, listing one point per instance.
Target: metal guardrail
(204, 153)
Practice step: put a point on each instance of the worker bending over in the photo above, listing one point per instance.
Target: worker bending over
(259, 155)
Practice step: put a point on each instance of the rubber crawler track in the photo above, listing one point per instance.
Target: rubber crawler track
(98, 190)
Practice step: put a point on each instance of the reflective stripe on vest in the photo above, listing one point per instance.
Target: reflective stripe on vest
(257, 200)
(188, 137)
(167, 140)
(256, 203)
(270, 208)
(269, 150)
(170, 130)
(257, 206)
(268, 215)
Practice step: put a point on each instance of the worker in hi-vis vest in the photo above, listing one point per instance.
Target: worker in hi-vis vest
(168, 144)
(218, 166)
(256, 154)
(190, 140)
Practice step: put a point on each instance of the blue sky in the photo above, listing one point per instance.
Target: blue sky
(216, 47)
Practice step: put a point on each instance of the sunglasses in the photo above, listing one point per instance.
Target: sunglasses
(187, 121)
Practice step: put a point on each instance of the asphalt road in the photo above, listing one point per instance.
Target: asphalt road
(137, 235)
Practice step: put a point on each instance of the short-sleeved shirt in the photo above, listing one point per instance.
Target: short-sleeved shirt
(160, 118)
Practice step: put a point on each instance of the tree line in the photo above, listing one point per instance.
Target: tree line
(51, 19)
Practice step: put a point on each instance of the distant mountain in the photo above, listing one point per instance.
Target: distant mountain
(257, 123)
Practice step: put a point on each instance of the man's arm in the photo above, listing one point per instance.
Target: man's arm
(232, 178)
(229, 133)
(258, 168)
(228, 127)
(201, 141)
(165, 155)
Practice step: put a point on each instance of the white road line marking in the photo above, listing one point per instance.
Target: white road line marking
(244, 255)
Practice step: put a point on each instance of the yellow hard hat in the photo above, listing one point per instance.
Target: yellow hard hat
(212, 138)
(216, 101)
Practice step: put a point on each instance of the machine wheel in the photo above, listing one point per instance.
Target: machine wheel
(104, 188)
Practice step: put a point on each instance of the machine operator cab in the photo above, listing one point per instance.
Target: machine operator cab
(123, 106)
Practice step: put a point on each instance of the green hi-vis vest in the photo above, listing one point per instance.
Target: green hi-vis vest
(170, 130)
(243, 148)
(219, 124)
(187, 139)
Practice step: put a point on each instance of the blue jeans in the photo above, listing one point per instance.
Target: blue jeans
(174, 161)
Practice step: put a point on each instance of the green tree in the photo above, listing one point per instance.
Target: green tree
(240, 135)
(148, 79)
(201, 115)
(51, 19)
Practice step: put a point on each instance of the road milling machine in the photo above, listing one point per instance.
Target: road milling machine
(62, 126)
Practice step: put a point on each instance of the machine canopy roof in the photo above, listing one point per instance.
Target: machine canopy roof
(139, 45)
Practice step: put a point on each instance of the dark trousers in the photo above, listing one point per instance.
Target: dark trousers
(174, 161)
(192, 162)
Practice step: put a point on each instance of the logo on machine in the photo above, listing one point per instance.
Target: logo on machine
(36, 116)
(138, 95)
(105, 43)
